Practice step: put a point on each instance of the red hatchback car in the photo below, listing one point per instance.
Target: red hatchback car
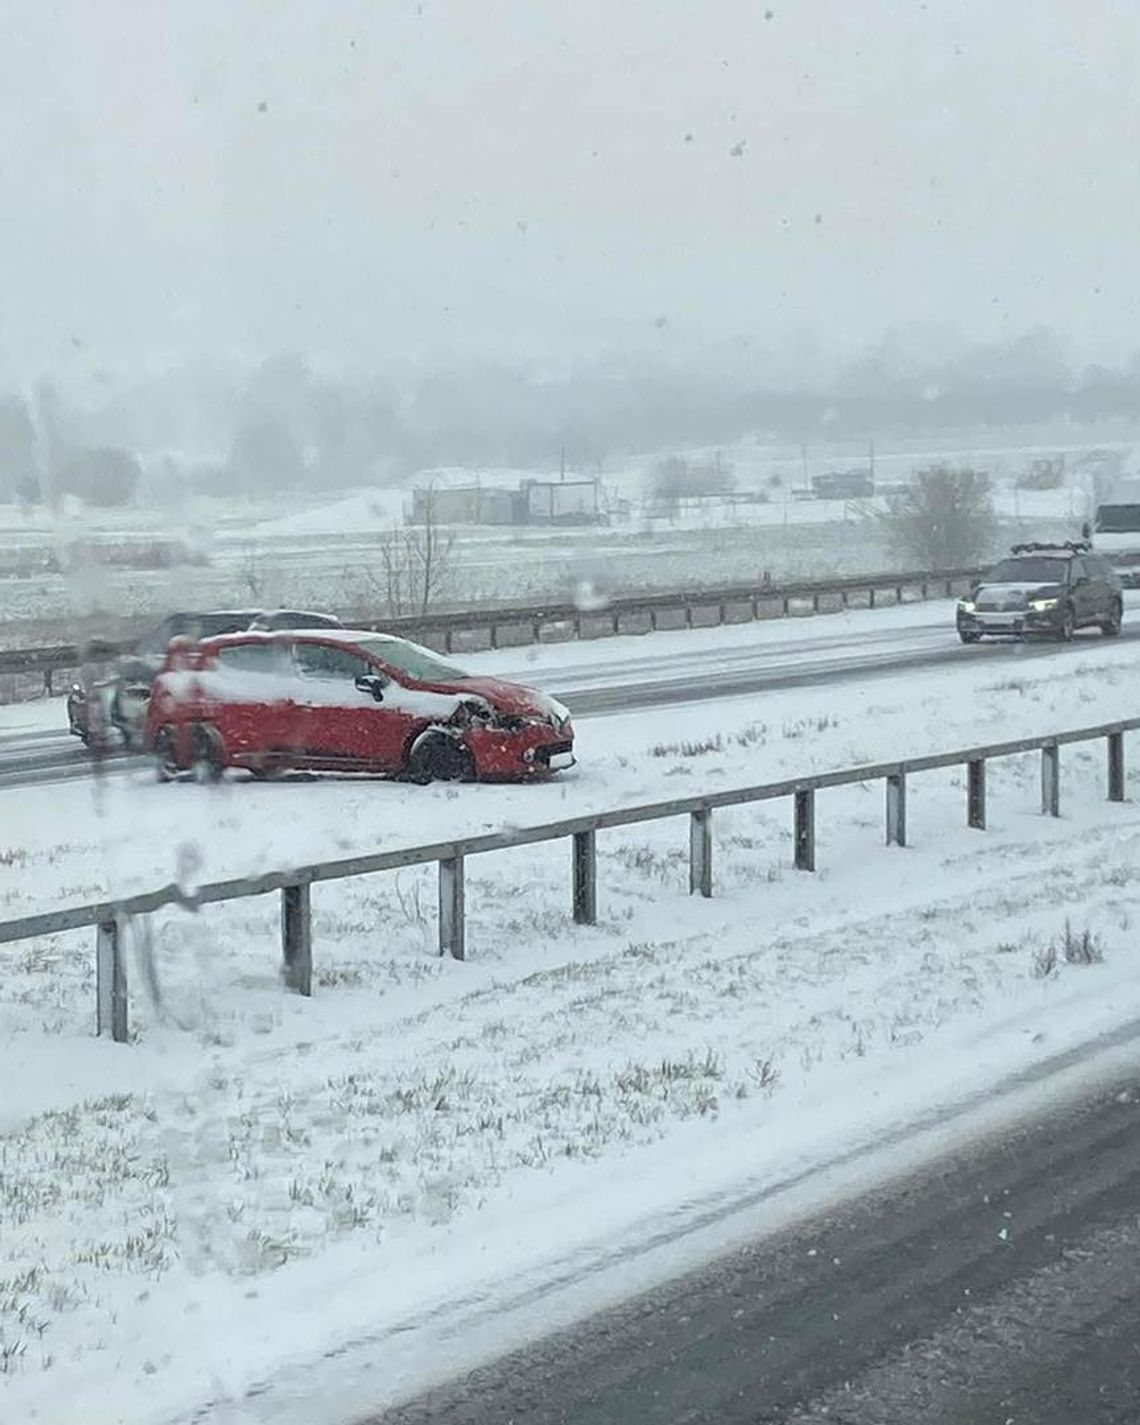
(345, 701)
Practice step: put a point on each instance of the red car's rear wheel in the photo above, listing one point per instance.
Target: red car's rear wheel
(166, 755)
(207, 757)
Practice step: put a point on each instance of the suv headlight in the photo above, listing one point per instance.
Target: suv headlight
(1041, 606)
(967, 606)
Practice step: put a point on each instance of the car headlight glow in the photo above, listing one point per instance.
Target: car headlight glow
(1040, 606)
(967, 605)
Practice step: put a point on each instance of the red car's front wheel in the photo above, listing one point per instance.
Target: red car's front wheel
(438, 758)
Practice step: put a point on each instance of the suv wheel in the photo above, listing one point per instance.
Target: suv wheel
(166, 755)
(439, 759)
(1111, 625)
(1068, 625)
(207, 760)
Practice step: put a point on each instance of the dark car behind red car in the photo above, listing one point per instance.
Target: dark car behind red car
(115, 706)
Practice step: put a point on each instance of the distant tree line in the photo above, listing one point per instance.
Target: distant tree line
(286, 424)
(41, 460)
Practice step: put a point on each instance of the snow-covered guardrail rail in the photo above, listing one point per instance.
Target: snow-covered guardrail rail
(531, 623)
(110, 917)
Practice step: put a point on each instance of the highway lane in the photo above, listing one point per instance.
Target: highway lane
(646, 681)
(999, 1284)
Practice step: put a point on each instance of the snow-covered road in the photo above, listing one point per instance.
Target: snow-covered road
(259, 1181)
(599, 678)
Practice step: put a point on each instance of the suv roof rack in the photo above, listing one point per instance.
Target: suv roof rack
(1070, 546)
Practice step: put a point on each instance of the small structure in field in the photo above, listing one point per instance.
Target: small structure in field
(575, 501)
(463, 504)
(565, 502)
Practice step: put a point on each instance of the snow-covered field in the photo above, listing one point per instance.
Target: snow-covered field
(259, 1179)
(342, 569)
(326, 555)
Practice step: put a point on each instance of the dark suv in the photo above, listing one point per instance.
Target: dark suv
(114, 709)
(1043, 591)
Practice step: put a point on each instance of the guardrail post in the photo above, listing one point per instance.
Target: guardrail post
(896, 809)
(871, 597)
(451, 910)
(805, 829)
(976, 794)
(110, 981)
(1116, 766)
(297, 939)
(585, 878)
(1051, 780)
(700, 853)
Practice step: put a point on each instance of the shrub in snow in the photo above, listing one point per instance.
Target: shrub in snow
(1082, 949)
(944, 519)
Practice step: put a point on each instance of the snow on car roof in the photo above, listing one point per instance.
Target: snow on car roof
(320, 635)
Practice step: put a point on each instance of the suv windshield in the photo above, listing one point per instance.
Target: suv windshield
(1118, 519)
(419, 663)
(1028, 571)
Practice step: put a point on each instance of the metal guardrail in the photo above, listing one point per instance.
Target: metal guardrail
(110, 917)
(439, 629)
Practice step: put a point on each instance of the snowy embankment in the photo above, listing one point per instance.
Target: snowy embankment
(260, 1179)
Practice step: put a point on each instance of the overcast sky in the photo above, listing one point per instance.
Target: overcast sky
(361, 178)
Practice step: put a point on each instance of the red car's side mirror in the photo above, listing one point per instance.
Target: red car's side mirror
(373, 684)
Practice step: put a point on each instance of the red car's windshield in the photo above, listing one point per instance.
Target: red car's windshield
(419, 663)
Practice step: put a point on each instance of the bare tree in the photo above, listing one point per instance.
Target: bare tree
(675, 478)
(251, 571)
(430, 547)
(393, 581)
(945, 519)
(414, 563)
